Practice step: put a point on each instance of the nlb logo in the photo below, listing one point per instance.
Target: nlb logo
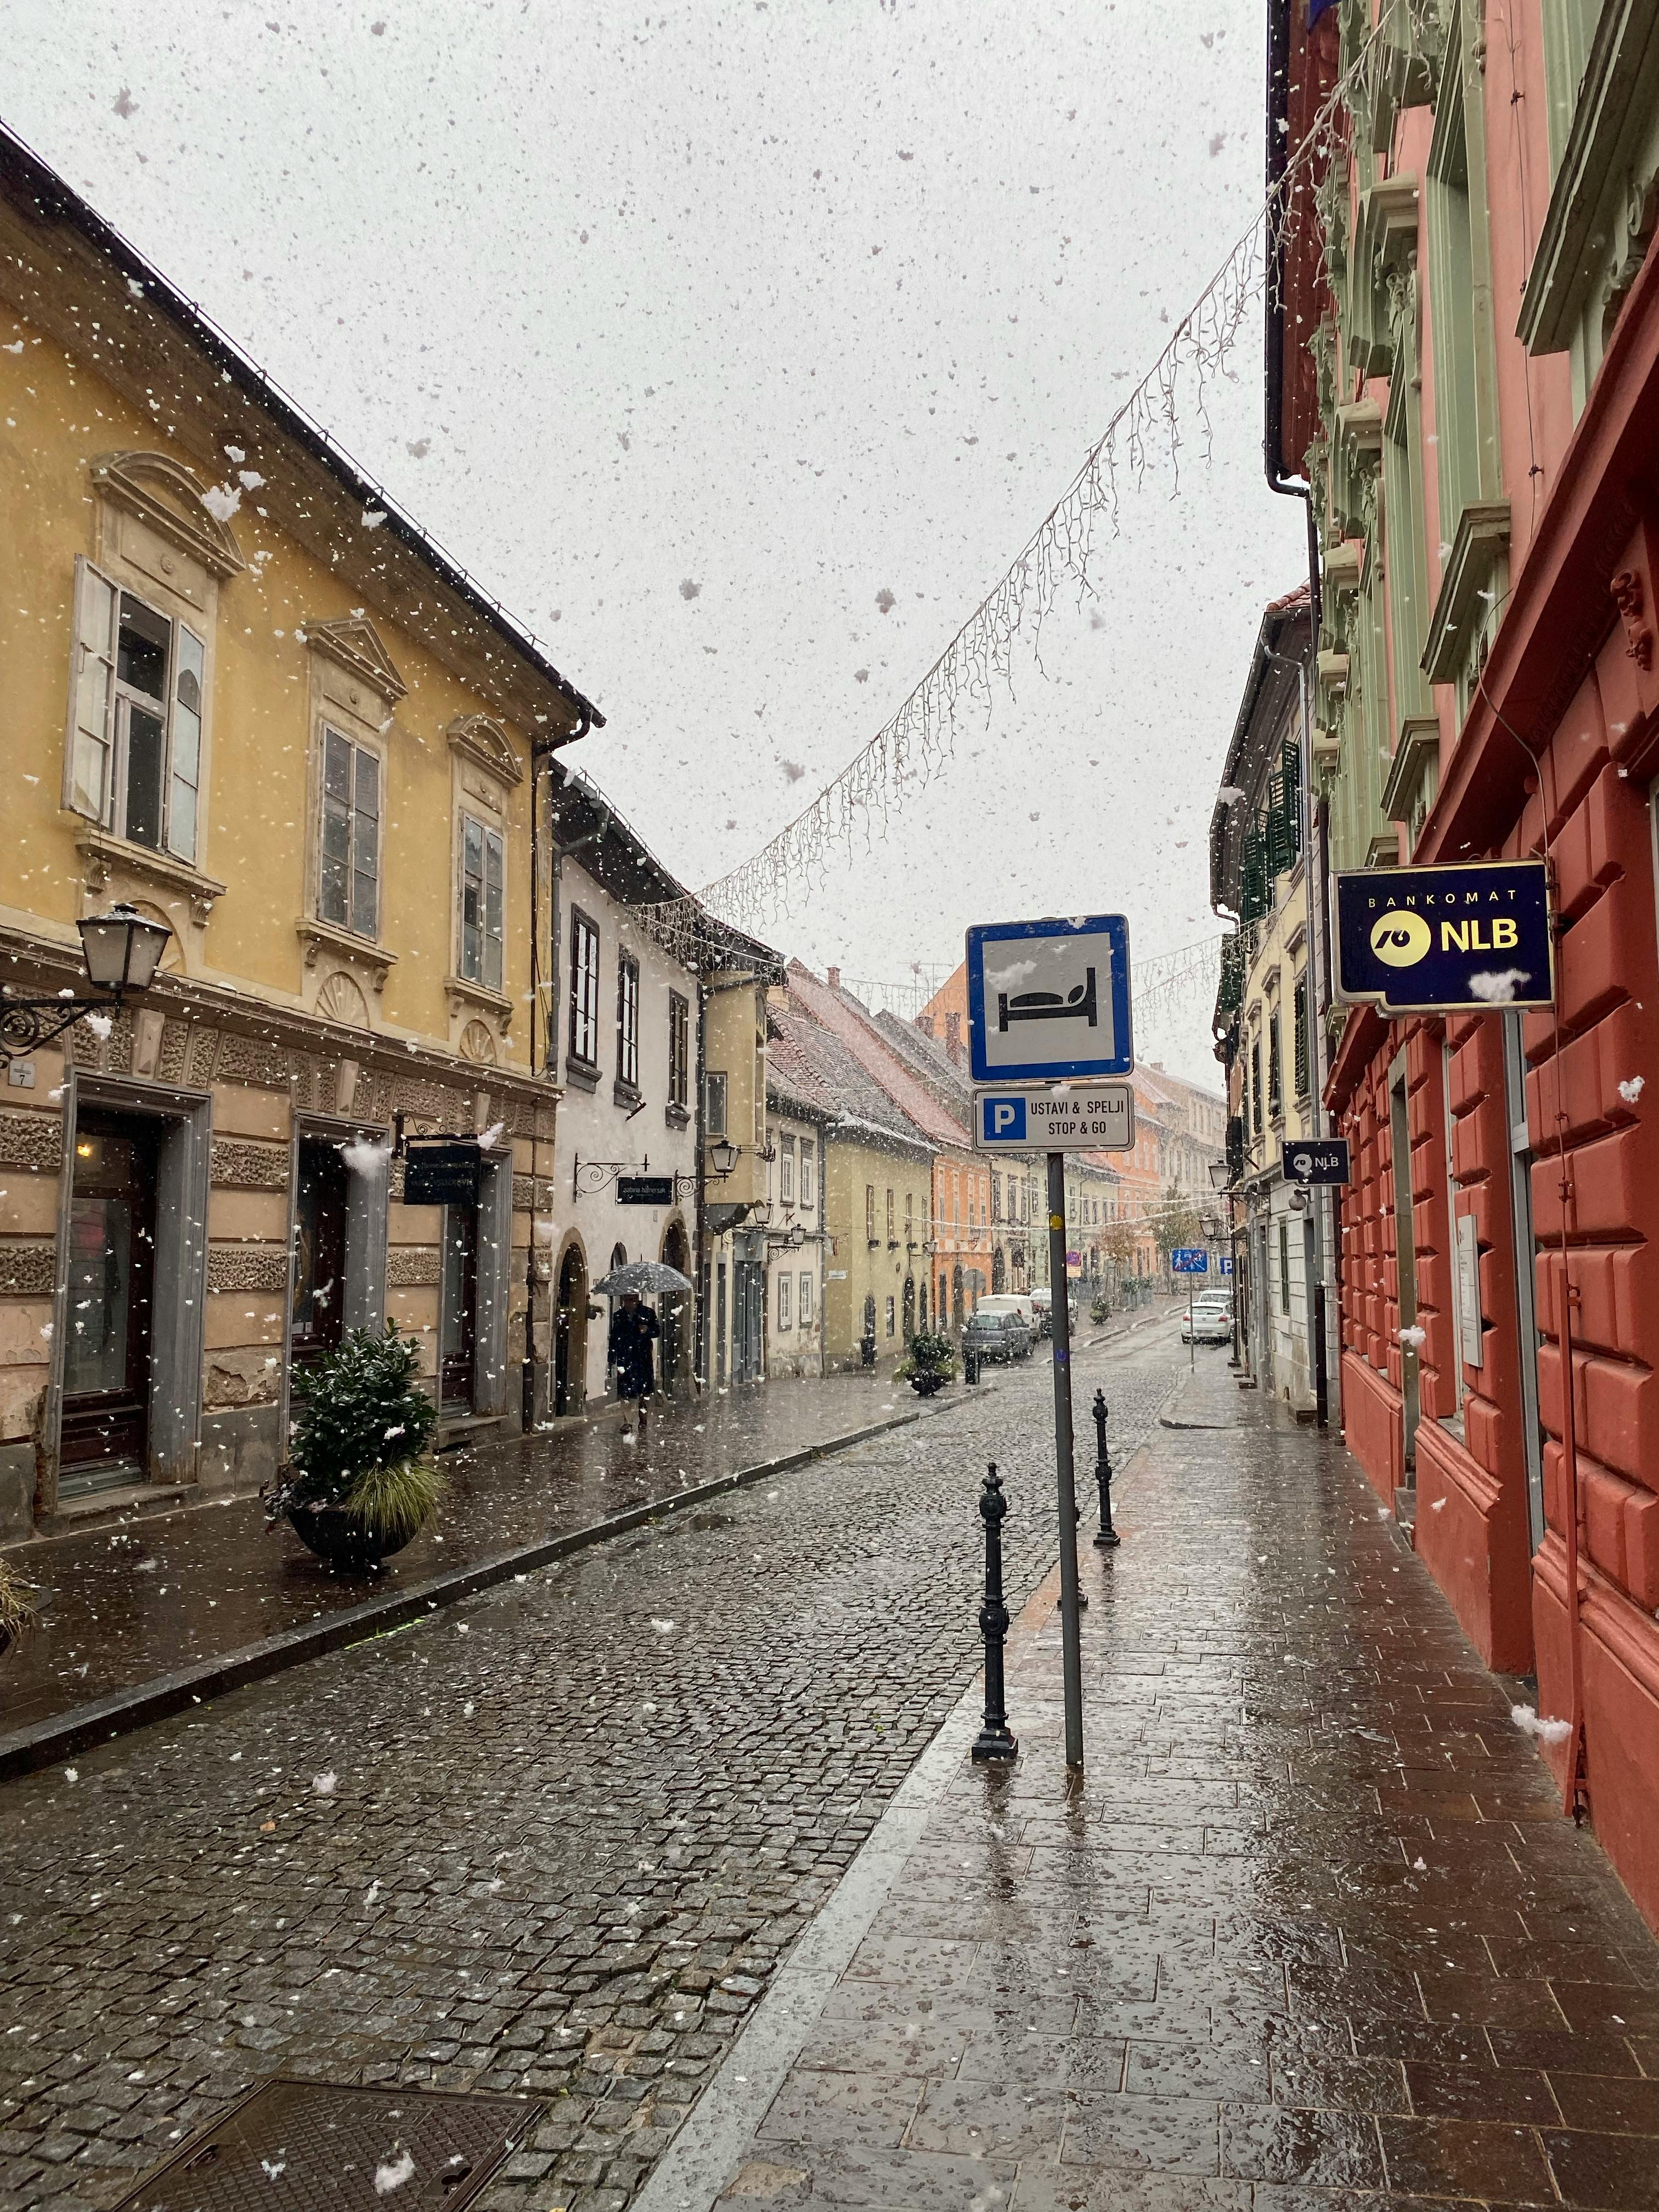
(1400, 938)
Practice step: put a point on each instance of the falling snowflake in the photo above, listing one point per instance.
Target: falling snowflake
(392, 2173)
(324, 1784)
(1498, 986)
(1529, 1724)
(1631, 1091)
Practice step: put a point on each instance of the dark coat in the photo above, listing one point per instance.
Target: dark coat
(633, 1332)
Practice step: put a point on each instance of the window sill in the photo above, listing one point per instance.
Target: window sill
(676, 1117)
(105, 855)
(464, 993)
(625, 1094)
(316, 937)
(581, 1077)
(1480, 545)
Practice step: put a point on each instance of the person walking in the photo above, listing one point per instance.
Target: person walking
(633, 1332)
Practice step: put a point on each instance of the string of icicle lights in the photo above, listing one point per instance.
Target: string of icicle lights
(1147, 435)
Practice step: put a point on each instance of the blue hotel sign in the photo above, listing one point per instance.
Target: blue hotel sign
(1462, 939)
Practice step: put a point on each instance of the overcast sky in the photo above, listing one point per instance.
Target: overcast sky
(694, 332)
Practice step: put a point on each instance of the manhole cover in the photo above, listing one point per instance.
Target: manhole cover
(291, 2146)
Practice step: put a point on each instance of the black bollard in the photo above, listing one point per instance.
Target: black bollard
(1109, 1539)
(995, 1740)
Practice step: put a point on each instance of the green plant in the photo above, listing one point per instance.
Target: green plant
(928, 1354)
(17, 1610)
(361, 1434)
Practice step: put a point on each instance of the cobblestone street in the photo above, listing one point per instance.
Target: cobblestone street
(571, 1825)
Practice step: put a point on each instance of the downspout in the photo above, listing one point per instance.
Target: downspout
(540, 757)
(1279, 36)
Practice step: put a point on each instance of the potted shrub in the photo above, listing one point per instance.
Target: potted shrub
(928, 1366)
(17, 1608)
(360, 1483)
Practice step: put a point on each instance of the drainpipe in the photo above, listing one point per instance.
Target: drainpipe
(540, 756)
(1289, 487)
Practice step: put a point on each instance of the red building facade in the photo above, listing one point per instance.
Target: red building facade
(1466, 377)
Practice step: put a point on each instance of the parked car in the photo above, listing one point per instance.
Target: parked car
(1209, 1322)
(1017, 1301)
(1042, 1301)
(992, 1335)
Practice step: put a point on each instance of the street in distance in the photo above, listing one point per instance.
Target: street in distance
(1099, 1119)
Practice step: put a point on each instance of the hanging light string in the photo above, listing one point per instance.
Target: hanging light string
(1144, 435)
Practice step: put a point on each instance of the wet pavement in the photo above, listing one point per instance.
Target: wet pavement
(553, 1840)
(148, 1593)
(139, 1597)
(1310, 1932)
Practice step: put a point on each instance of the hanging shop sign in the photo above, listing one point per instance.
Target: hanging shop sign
(1466, 939)
(1048, 1001)
(444, 1173)
(1316, 1159)
(644, 1190)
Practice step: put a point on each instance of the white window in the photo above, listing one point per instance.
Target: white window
(783, 1301)
(483, 880)
(806, 1301)
(348, 887)
(808, 1162)
(787, 1171)
(134, 758)
(628, 1022)
(584, 989)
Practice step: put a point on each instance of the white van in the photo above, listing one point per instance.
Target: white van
(1017, 1301)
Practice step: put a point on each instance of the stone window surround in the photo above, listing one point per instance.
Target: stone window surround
(179, 1324)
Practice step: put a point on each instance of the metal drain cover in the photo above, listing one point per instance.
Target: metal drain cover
(292, 2145)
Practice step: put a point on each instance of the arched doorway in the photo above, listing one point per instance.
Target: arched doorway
(956, 1297)
(676, 1306)
(618, 1259)
(570, 1333)
(999, 1270)
(909, 1309)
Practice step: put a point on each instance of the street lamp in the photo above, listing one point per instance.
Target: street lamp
(122, 951)
(722, 1156)
(797, 1235)
(1220, 1174)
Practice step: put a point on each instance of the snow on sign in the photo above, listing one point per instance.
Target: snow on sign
(1100, 1118)
(1048, 1001)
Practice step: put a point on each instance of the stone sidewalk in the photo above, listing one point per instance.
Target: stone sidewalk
(1310, 1932)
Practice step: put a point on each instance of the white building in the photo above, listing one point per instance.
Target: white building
(795, 1238)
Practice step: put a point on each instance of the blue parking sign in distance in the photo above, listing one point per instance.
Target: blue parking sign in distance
(1225, 1264)
(1002, 1120)
(1048, 1001)
(1189, 1260)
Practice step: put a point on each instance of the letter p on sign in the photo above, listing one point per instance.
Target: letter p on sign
(1005, 1118)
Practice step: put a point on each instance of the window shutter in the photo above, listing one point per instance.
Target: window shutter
(89, 739)
(1302, 1074)
(184, 778)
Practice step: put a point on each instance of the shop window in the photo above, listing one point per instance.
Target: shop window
(349, 884)
(317, 1319)
(111, 1293)
(134, 761)
(584, 992)
(482, 889)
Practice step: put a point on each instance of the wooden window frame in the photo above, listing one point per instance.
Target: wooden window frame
(583, 1026)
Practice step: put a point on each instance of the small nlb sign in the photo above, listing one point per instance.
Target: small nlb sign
(1097, 1118)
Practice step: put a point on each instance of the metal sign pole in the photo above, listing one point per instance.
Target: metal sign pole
(1061, 1308)
(1192, 1341)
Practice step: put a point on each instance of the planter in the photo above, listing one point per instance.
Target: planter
(349, 1545)
(925, 1385)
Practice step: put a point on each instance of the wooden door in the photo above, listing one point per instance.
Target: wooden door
(319, 1242)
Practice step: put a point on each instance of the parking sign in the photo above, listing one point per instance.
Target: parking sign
(1098, 1119)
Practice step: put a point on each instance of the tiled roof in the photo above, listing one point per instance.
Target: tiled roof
(816, 1067)
(855, 1025)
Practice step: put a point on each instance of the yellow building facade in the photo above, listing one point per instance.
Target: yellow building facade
(249, 699)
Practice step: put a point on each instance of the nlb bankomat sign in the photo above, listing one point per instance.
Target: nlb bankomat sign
(1464, 938)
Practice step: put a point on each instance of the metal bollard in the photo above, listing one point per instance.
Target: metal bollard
(1109, 1539)
(970, 1363)
(995, 1740)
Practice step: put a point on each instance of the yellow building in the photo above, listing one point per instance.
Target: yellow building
(246, 696)
(877, 1186)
